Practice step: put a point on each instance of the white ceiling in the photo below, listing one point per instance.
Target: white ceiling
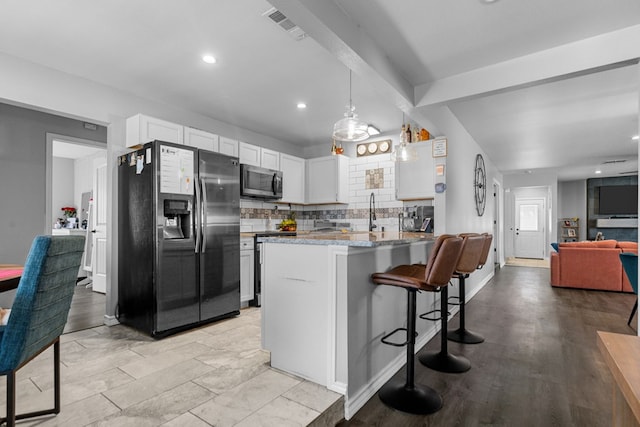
(70, 150)
(573, 109)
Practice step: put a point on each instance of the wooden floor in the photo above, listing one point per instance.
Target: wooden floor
(539, 365)
(87, 310)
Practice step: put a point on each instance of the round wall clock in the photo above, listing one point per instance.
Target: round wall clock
(480, 185)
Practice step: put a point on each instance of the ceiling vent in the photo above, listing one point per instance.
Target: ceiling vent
(612, 162)
(285, 23)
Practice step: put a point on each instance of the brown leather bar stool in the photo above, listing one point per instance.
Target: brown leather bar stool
(442, 360)
(461, 334)
(407, 396)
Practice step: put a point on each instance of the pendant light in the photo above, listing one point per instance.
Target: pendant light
(404, 151)
(350, 128)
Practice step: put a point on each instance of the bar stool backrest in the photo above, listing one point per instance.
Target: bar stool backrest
(488, 238)
(472, 247)
(443, 260)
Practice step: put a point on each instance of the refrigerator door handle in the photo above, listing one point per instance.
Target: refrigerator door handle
(198, 222)
(203, 223)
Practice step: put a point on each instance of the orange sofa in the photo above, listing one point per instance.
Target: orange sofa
(591, 265)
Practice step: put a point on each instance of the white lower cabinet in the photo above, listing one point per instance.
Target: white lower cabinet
(246, 269)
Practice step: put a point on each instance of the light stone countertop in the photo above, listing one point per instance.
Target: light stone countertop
(352, 238)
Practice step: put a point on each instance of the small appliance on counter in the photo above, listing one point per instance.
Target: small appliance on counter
(419, 220)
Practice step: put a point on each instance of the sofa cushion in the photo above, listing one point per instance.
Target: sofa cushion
(628, 246)
(606, 244)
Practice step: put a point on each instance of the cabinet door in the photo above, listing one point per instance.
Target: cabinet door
(415, 180)
(269, 159)
(293, 179)
(246, 275)
(328, 180)
(200, 139)
(142, 129)
(228, 146)
(249, 154)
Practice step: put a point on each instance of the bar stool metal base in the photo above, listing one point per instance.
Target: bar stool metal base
(419, 400)
(465, 336)
(445, 362)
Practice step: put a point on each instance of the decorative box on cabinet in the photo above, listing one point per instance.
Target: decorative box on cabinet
(200, 139)
(328, 180)
(228, 146)
(142, 129)
(293, 179)
(415, 180)
(246, 269)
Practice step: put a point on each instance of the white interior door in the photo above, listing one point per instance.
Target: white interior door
(529, 236)
(99, 212)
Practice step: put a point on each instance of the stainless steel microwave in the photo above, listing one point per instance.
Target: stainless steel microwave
(260, 183)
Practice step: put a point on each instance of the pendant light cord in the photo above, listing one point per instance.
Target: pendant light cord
(350, 102)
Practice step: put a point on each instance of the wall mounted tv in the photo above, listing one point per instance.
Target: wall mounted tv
(618, 200)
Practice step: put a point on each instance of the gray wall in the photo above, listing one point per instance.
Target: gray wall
(572, 202)
(22, 174)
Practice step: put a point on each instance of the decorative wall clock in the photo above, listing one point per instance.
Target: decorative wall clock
(480, 185)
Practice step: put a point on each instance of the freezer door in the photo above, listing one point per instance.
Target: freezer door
(219, 179)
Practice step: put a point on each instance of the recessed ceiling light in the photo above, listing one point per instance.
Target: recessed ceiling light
(301, 105)
(598, 171)
(635, 138)
(488, 1)
(209, 59)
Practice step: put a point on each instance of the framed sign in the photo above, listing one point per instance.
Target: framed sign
(439, 148)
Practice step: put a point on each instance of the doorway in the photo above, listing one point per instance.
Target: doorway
(73, 165)
(529, 228)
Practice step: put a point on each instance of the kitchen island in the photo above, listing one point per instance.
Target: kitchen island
(322, 317)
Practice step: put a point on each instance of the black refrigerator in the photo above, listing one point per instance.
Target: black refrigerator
(178, 238)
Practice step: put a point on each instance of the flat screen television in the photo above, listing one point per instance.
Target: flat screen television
(618, 200)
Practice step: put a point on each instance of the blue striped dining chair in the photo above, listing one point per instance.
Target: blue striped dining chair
(39, 313)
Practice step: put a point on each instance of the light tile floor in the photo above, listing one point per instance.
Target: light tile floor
(215, 375)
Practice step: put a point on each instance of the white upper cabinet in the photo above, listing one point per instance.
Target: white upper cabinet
(249, 154)
(415, 180)
(142, 129)
(228, 146)
(269, 159)
(328, 180)
(293, 179)
(200, 139)
(257, 156)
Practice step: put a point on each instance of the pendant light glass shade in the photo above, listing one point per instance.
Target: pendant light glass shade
(404, 153)
(350, 128)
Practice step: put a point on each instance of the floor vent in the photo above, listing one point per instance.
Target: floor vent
(285, 23)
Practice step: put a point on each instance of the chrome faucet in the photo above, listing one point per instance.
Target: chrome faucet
(372, 211)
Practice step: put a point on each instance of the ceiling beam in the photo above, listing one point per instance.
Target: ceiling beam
(330, 27)
(606, 51)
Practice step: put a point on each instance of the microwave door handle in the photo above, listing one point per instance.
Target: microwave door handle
(198, 218)
(203, 207)
(274, 183)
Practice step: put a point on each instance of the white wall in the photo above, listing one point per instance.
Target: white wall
(572, 202)
(62, 187)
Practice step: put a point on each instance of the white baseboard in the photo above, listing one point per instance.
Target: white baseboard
(110, 320)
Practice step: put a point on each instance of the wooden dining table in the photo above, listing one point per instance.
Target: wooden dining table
(9, 276)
